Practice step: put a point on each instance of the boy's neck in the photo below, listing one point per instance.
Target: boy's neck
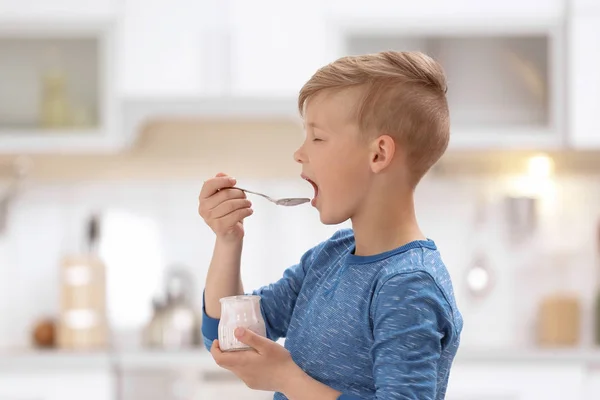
(385, 224)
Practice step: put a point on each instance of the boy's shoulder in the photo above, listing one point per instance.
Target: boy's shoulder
(340, 242)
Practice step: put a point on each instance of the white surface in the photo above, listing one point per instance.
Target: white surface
(200, 359)
(57, 10)
(166, 48)
(582, 357)
(513, 382)
(592, 384)
(435, 12)
(585, 6)
(584, 81)
(277, 46)
(73, 384)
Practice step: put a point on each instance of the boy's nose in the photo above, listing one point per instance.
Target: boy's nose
(299, 156)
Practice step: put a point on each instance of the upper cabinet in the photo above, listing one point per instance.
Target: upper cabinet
(583, 77)
(82, 75)
(56, 10)
(451, 12)
(57, 79)
(173, 49)
(276, 46)
(504, 63)
(584, 6)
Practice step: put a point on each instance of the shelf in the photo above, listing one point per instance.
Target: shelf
(503, 88)
(56, 141)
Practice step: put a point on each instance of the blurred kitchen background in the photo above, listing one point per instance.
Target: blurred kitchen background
(114, 112)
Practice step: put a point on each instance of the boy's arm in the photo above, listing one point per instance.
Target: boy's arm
(223, 278)
(412, 324)
(277, 301)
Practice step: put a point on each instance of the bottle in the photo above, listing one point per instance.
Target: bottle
(54, 107)
(82, 321)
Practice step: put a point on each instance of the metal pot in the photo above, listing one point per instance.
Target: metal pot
(175, 323)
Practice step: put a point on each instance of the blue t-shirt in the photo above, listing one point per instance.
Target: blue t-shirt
(372, 327)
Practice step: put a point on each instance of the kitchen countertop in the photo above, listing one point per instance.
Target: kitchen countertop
(589, 356)
(201, 359)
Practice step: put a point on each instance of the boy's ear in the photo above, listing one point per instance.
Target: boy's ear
(382, 153)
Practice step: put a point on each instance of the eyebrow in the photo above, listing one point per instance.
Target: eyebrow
(312, 125)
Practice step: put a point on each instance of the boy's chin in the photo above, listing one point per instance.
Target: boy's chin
(331, 219)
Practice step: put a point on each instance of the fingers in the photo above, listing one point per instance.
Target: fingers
(222, 208)
(229, 207)
(222, 196)
(213, 185)
(259, 343)
(229, 220)
(229, 360)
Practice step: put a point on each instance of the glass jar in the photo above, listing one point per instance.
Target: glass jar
(239, 311)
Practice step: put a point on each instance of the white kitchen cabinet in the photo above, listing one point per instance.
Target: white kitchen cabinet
(63, 385)
(57, 80)
(185, 383)
(516, 381)
(584, 80)
(592, 386)
(436, 12)
(584, 6)
(505, 83)
(277, 46)
(172, 49)
(56, 10)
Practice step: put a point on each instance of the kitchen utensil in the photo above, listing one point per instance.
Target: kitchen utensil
(82, 322)
(521, 217)
(175, 323)
(289, 202)
(239, 311)
(559, 319)
(479, 276)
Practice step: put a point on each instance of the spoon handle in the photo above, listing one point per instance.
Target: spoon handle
(256, 193)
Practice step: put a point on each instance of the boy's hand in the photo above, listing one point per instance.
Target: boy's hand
(223, 209)
(266, 367)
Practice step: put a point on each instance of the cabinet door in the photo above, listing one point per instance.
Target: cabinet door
(56, 9)
(66, 385)
(585, 6)
(584, 80)
(516, 381)
(474, 12)
(171, 48)
(276, 46)
(592, 387)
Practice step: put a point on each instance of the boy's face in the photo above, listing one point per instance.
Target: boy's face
(334, 156)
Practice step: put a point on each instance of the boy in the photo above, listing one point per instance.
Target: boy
(369, 313)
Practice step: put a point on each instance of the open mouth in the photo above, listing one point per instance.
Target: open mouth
(315, 187)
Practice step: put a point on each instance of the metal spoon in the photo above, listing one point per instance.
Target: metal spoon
(289, 202)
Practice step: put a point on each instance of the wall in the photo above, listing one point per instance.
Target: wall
(151, 222)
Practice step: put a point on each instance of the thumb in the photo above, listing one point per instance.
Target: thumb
(221, 174)
(257, 342)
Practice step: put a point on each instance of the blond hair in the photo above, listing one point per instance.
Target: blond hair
(404, 95)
